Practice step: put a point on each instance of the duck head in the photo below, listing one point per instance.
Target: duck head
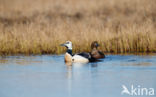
(94, 45)
(67, 44)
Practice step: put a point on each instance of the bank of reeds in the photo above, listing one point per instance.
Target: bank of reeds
(39, 26)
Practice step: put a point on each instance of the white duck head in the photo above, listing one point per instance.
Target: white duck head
(67, 44)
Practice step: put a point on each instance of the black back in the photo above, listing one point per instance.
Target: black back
(88, 56)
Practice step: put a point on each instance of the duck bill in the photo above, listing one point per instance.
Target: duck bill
(62, 45)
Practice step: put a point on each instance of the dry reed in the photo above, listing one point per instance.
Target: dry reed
(39, 26)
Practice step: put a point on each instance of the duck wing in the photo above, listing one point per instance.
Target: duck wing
(102, 54)
(84, 54)
(88, 56)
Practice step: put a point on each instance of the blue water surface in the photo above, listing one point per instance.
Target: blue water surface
(49, 76)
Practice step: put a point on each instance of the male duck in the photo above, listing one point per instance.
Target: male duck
(95, 53)
(81, 57)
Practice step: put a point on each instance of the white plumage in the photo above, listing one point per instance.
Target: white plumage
(69, 57)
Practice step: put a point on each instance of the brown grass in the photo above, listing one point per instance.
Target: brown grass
(39, 26)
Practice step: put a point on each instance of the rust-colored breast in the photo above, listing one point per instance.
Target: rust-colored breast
(68, 58)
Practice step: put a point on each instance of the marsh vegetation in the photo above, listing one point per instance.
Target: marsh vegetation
(39, 26)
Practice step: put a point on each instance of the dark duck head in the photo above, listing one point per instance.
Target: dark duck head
(95, 53)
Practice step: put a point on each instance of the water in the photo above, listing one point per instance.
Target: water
(49, 76)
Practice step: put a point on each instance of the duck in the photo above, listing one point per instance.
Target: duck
(80, 57)
(95, 53)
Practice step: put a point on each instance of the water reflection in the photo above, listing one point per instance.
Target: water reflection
(69, 71)
(3, 61)
(68, 63)
(94, 64)
(49, 76)
(20, 60)
(78, 67)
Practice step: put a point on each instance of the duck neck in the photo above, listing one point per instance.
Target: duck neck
(69, 51)
(95, 48)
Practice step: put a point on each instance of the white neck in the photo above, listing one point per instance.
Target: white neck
(70, 47)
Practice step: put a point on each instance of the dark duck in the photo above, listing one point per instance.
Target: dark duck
(95, 53)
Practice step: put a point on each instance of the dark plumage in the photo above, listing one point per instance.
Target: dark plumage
(95, 53)
(88, 55)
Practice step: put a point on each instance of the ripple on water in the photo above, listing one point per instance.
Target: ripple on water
(49, 76)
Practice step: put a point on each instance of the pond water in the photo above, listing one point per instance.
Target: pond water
(49, 76)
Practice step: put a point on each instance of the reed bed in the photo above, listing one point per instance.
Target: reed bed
(39, 26)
